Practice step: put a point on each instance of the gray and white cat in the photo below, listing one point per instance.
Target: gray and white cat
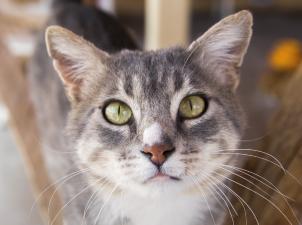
(145, 129)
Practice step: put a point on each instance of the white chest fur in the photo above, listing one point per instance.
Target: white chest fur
(163, 210)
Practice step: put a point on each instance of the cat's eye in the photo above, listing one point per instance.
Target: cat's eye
(117, 113)
(192, 107)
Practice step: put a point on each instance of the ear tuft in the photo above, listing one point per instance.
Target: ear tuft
(74, 59)
(222, 48)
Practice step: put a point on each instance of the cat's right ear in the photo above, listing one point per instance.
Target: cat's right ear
(76, 60)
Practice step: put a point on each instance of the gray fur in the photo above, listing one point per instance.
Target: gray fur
(148, 82)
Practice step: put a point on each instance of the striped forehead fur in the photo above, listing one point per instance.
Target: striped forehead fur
(147, 82)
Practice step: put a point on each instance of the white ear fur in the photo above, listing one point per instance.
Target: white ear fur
(74, 59)
(222, 48)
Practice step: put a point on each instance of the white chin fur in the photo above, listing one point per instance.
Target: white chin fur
(158, 210)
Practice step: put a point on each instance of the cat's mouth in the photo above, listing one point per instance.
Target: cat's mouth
(160, 176)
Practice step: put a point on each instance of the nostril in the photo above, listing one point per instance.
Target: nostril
(168, 153)
(147, 154)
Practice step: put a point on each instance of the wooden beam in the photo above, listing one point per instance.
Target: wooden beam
(14, 17)
(166, 23)
(15, 95)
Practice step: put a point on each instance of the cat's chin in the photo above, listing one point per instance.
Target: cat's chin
(160, 184)
(161, 177)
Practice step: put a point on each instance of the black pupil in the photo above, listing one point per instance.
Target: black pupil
(190, 103)
(119, 110)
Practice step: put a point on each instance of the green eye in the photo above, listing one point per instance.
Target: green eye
(117, 113)
(192, 106)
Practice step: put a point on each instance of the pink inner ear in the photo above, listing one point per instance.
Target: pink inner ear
(71, 80)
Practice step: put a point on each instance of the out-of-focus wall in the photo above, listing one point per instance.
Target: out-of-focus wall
(137, 6)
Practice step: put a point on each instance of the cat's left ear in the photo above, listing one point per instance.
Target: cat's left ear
(221, 50)
(76, 61)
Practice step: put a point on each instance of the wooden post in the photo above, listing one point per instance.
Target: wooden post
(166, 23)
(14, 94)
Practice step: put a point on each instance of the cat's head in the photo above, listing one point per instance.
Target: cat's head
(156, 120)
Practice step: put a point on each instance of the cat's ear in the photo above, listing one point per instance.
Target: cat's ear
(76, 60)
(222, 48)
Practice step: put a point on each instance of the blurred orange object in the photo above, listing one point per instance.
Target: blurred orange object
(286, 56)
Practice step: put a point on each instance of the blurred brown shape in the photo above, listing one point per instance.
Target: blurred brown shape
(15, 95)
(283, 141)
(284, 59)
(16, 16)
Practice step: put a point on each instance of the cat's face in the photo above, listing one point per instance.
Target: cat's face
(156, 122)
(153, 85)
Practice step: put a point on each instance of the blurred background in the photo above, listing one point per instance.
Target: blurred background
(273, 56)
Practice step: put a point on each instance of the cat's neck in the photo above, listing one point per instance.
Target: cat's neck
(167, 209)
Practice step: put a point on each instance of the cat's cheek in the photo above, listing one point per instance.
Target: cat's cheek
(175, 167)
(93, 156)
(231, 138)
(86, 150)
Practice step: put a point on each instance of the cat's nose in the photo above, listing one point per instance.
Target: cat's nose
(158, 153)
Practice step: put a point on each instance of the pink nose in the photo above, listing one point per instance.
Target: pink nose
(158, 153)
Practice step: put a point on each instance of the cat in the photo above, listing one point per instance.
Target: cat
(150, 132)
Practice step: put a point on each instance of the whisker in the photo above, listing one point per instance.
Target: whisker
(225, 199)
(104, 204)
(259, 188)
(62, 179)
(241, 200)
(260, 179)
(226, 207)
(272, 203)
(245, 179)
(273, 187)
(68, 203)
(122, 211)
(229, 202)
(249, 155)
(257, 151)
(61, 183)
(91, 199)
(88, 204)
(204, 198)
